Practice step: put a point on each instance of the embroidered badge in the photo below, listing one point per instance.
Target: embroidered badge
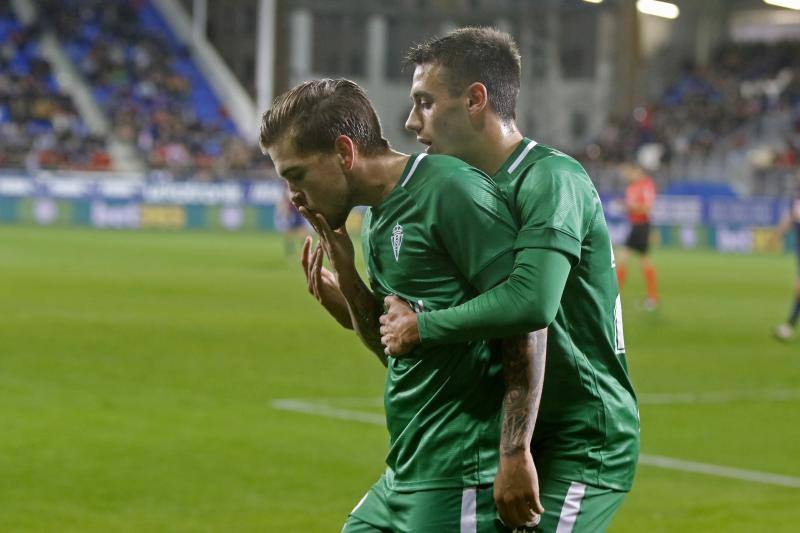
(397, 240)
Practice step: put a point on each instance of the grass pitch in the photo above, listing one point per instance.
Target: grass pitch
(138, 374)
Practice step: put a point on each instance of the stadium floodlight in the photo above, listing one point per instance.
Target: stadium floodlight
(659, 9)
(789, 4)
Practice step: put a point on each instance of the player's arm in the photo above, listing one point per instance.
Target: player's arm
(527, 301)
(642, 202)
(551, 207)
(365, 311)
(364, 308)
(323, 285)
(639, 209)
(637, 205)
(516, 487)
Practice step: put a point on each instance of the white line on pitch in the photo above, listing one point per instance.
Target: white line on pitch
(770, 395)
(719, 470)
(666, 398)
(314, 408)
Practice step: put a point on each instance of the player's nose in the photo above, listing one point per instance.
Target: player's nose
(413, 124)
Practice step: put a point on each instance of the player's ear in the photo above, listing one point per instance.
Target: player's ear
(477, 97)
(346, 149)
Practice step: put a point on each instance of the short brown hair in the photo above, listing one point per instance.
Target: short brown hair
(318, 111)
(476, 54)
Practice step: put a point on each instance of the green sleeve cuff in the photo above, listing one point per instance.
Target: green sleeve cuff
(437, 327)
(422, 327)
(551, 238)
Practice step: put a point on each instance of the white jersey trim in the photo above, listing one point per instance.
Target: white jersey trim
(361, 501)
(521, 156)
(419, 158)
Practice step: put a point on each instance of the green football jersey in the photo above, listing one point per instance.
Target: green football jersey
(588, 424)
(443, 235)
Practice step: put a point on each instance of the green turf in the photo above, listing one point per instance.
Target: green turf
(137, 372)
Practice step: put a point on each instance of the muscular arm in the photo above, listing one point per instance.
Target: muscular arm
(365, 310)
(523, 371)
(527, 301)
(516, 489)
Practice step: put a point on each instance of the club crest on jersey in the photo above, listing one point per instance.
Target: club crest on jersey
(397, 240)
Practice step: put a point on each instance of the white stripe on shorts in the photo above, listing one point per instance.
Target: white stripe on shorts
(469, 510)
(572, 506)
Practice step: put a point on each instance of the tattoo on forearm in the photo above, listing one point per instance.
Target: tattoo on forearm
(365, 310)
(523, 369)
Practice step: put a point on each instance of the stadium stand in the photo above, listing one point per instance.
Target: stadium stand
(740, 114)
(735, 121)
(151, 90)
(39, 124)
(142, 78)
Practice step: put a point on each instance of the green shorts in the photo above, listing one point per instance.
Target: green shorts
(469, 509)
(569, 508)
(572, 507)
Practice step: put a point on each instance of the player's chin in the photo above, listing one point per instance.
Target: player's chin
(338, 220)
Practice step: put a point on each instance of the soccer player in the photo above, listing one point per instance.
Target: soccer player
(791, 220)
(586, 439)
(437, 233)
(640, 195)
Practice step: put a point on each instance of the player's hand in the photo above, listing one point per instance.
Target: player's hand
(516, 490)
(399, 333)
(336, 243)
(322, 284)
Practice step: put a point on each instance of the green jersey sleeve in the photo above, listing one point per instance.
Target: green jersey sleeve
(554, 202)
(527, 301)
(474, 225)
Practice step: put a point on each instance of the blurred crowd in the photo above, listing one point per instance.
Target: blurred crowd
(141, 80)
(742, 109)
(737, 118)
(39, 125)
(146, 84)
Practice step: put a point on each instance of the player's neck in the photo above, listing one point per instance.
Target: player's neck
(377, 176)
(496, 144)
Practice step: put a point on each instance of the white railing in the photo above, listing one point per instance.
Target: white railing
(223, 82)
